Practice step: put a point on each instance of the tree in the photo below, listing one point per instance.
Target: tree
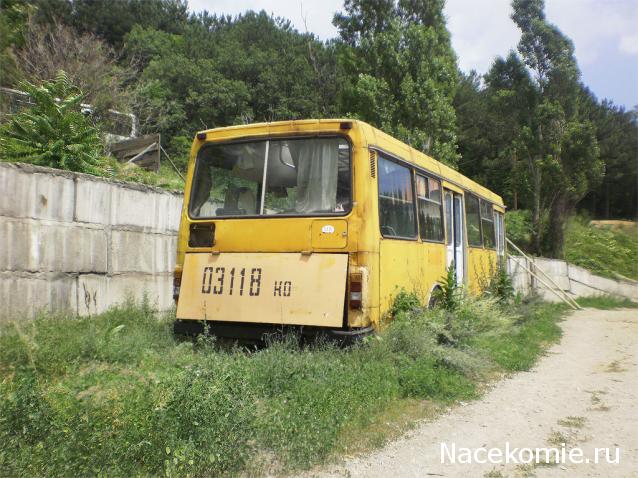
(223, 71)
(53, 132)
(617, 135)
(402, 71)
(112, 20)
(560, 147)
(13, 25)
(528, 131)
(88, 62)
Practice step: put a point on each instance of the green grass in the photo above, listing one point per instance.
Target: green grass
(604, 250)
(117, 395)
(166, 177)
(606, 302)
(519, 349)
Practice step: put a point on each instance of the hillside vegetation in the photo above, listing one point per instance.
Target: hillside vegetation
(117, 395)
(391, 64)
(606, 250)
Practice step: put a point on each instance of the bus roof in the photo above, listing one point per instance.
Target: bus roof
(373, 137)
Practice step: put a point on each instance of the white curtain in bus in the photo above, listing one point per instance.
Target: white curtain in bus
(317, 161)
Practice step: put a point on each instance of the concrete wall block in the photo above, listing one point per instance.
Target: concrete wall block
(579, 274)
(96, 293)
(520, 277)
(93, 201)
(170, 211)
(142, 252)
(551, 267)
(602, 284)
(563, 282)
(582, 290)
(520, 282)
(37, 195)
(548, 295)
(24, 296)
(148, 210)
(44, 246)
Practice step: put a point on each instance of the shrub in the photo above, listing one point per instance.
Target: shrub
(449, 295)
(117, 395)
(498, 283)
(518, 225)
(53, 132)
(404, 302)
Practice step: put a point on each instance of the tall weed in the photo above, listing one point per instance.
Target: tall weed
(117, 395)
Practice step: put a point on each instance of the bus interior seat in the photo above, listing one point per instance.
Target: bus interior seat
(238, 202)
(246, 201)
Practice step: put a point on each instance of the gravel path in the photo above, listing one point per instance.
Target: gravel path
(583, 392)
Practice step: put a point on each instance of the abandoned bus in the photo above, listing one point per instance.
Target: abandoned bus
(318, 224)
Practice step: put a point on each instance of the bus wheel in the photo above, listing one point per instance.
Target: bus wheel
(434, 297)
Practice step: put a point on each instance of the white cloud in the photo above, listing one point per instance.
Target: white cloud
(483, 29)
(629, 44)
(480, 31)
(594, 26)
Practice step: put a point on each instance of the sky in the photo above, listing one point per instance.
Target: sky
(604, 32)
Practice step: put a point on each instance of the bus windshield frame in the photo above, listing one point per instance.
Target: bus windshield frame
(255, 199)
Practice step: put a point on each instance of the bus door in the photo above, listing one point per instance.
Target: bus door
(454, 218)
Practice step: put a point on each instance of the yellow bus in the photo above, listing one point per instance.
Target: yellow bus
(318, 225)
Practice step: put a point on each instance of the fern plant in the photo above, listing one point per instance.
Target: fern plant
(53, 132)
(449, 294)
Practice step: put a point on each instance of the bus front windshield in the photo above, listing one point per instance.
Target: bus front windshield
(303, 177)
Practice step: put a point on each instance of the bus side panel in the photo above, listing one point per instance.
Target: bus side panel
(482, 263)
(363, 227)
(366, 263)
(409, 265)
(437, 266)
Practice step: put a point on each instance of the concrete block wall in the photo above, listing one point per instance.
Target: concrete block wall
(574, 280)
(80, 244)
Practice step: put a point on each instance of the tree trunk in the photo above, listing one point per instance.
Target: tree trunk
(607, 194)
(555, 240)
(536, 211)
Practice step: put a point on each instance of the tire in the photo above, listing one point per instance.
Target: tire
(434, 300)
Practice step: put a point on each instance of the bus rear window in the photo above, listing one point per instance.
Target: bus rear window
(301, 177)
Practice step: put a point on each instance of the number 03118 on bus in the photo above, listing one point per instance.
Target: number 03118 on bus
(318, 224)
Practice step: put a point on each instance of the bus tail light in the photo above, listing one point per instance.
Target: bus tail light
(177, 283)
(356, 290)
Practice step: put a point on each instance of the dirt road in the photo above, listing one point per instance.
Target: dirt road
(583, 392)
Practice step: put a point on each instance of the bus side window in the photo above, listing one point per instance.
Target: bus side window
(428, 193)
(473, 220)
(487, 224)
(396, 200)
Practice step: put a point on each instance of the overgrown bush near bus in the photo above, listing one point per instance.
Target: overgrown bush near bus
(118, 395)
